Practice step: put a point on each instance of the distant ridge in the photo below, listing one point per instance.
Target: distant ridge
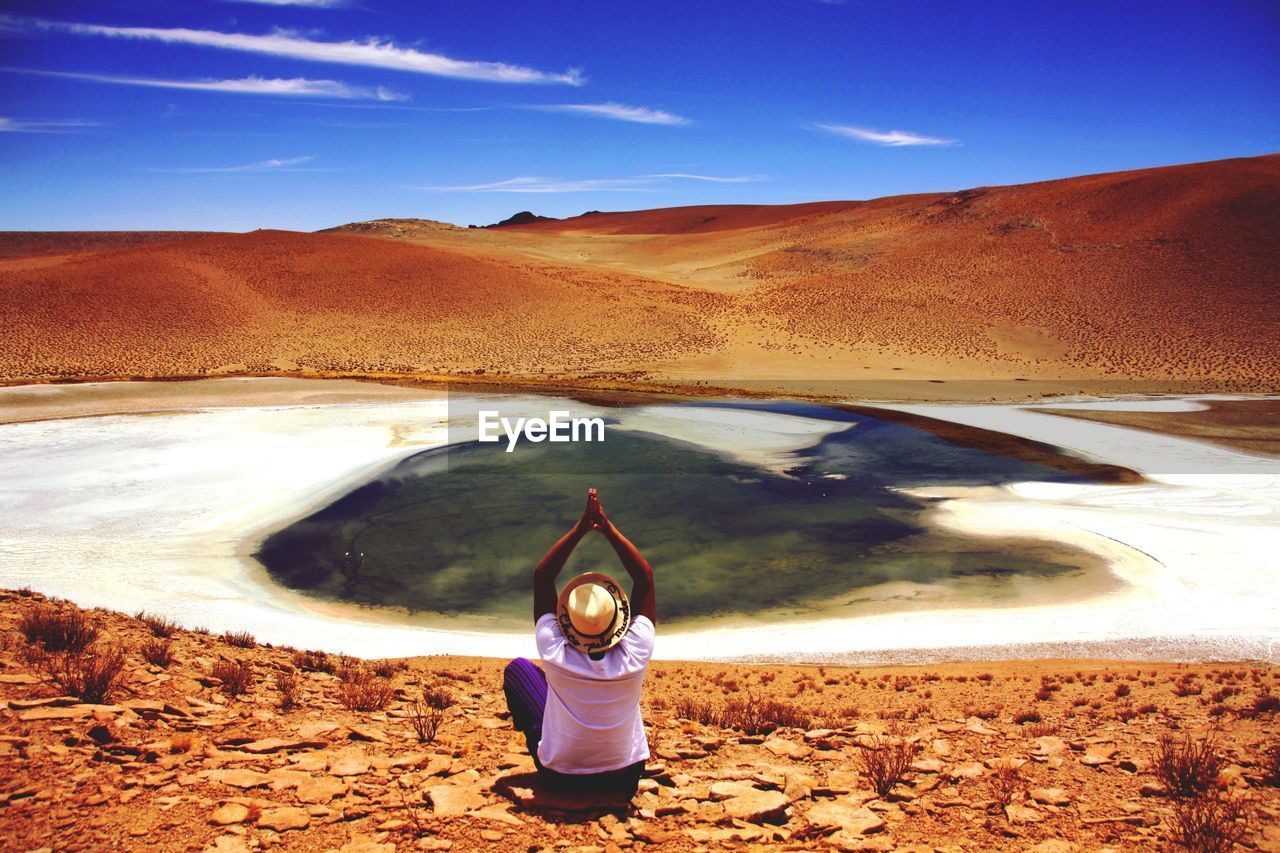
(524, 217)
(1162, 275)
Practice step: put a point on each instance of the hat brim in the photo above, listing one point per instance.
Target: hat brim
(612, 635)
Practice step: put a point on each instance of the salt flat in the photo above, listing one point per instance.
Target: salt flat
(161, 512)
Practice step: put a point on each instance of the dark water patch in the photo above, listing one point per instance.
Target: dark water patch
(458, 530)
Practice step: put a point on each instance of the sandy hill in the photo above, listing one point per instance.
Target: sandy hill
(1151, 275)
(188, 740)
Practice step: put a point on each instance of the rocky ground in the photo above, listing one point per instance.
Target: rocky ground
(1049, 755)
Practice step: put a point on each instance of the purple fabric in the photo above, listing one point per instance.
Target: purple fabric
(526, 689)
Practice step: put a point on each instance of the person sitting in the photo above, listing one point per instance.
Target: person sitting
(580, 713)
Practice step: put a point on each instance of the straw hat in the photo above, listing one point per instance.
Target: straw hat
(593, 612)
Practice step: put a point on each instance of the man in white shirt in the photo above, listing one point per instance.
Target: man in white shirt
(581, 714)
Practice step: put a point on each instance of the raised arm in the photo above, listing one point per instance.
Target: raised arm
(643, 598)
(544, 575)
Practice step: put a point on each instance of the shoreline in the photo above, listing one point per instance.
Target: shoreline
(872, 390)
(284, 614)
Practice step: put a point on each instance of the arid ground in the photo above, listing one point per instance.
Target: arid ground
(216, 742)
(1163, 277)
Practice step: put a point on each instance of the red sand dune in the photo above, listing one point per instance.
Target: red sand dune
(699, 219)
(1151, 275)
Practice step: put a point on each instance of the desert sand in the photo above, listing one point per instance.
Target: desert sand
(1052, 756)
(1160, 277)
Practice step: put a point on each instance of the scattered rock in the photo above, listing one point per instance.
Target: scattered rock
(454, 800)
(285, 819)
(229, 814)
(851, 817)
(1022, 814)
(240, 778)
(320, 790)
(272, 745)
(349, 765)
(1050, 796)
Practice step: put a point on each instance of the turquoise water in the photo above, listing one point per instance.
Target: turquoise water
(458, 530)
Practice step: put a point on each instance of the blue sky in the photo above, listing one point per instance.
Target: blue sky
(240, 115)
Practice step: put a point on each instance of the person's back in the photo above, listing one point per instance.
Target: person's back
(581, 717)
(592, 720)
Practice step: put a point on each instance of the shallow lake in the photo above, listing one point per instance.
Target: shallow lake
(457, 530)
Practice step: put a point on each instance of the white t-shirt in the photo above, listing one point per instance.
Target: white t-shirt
(592, 721)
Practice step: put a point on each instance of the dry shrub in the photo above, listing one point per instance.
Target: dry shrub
(427, 712)
(1264, 703)
(388, 668)
(884, 759)
(1123, 690)
(58, 630)
(91, 675)
(239, 639)
(1041, 729)
(236, 676)
(157, 652)
(699, 710)
(287, 684)
(1187, 688)
(1270, 765)
(160, 626)
(361, 690)
(760, 716)
(181, 742)
(1023, 717)
(1005, 782)
(1186, 767)
(313, 661)
(1207, 824)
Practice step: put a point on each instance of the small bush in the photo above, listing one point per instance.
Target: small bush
(1270, 765)
(1264, 703)
(91, 675)
(760, 716)
(1187, 688)
(388, 668)
(239, 639)
(427, 712)
(312, 661)
(160, 626)
(1207, 824)
(157, 652)
(1041, 729)
(1123, 690)
(1023, 717)
(1006, 782)
(361, 690)
(1186, 767)
(58, 630)
(287, 684)
(698, 710)
(884, 760)
(236, 676)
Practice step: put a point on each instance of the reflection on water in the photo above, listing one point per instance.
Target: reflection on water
(458, 530)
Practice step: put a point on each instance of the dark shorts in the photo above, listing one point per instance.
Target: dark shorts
(526, 688)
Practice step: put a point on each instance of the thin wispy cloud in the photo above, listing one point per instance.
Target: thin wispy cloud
(891, 138)
(370, 53)
(291, 86)
(617, 112)
(290, 164)
(311, 4)
(54, 125)
(638, 183)
(736, 179)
